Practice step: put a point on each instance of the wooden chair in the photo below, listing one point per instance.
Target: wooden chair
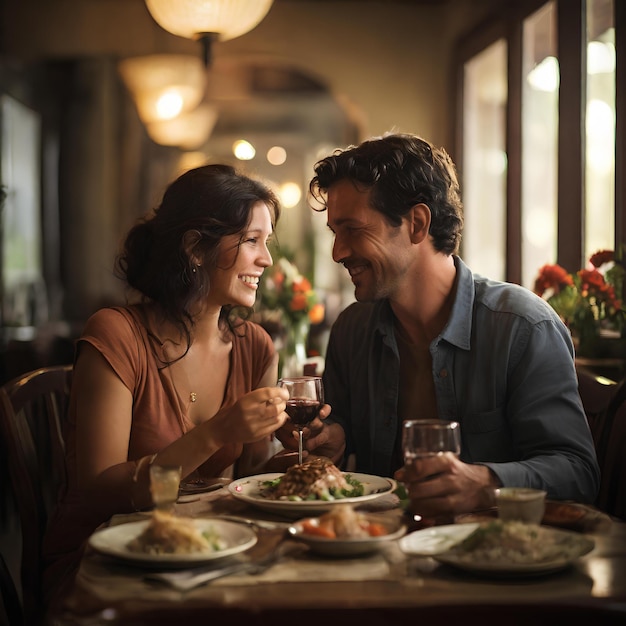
(33, 410)
(610, 441)
(596, 393)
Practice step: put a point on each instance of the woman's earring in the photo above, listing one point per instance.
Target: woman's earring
(193, 269)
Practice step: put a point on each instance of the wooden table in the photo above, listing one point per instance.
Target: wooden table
(385, 588)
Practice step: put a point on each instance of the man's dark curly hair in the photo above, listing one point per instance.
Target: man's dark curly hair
(401, 170)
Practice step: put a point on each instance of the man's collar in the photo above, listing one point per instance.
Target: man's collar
(458, 330)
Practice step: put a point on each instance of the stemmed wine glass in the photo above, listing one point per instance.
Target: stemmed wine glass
(306, 397)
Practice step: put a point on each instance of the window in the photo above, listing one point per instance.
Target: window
(540, 101)
(21, 217)
(484, 161)
(551, 194)
(600, 128)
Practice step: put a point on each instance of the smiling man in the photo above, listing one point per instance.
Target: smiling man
(427, 338)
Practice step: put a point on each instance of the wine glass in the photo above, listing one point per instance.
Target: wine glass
(306, 397)
(164, 485)
(429, 437)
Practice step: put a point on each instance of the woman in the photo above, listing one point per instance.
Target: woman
(175, 378)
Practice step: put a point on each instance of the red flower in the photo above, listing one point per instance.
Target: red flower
(552, 277)
(592, 280)
(298, 302)
(302, 285)
(601, 257)
(592, 283)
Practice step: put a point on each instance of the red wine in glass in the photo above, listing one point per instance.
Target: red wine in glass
(306, 397)
(302, 410)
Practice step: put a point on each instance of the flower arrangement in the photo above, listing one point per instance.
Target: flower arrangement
(288, 305)
(286, 290)
(590, 301)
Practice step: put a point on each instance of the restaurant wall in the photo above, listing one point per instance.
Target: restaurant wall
(386, 63)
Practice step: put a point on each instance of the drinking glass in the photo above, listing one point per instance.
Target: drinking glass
(306, 397)
(429, 437)
(164, 485)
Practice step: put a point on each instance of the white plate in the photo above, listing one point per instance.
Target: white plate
(437, 541)
(347, 547)
(113, 541)
(249, 490)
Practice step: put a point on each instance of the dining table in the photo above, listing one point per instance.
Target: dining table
(300, 585)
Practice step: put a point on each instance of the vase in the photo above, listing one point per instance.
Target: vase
(294, 352)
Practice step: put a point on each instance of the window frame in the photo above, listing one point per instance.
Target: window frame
(571, 36)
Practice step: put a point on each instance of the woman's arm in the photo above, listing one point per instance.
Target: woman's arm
(255, 455)
(104, 408)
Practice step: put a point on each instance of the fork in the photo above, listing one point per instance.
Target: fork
(186, 580)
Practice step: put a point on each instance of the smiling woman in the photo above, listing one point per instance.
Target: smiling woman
(180, 377)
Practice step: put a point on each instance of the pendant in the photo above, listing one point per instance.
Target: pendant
(193, 396)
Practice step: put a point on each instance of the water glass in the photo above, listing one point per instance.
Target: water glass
(164, 485)
(429, 437)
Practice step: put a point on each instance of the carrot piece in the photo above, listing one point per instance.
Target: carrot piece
(376, 530)
(321, 530)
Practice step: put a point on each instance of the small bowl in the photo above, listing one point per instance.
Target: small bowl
(348, 547)
(521, 504)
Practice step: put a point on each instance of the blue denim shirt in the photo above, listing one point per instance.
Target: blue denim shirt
(503, 367)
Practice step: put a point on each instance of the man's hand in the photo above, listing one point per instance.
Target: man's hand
(443, 486)
(320, 438)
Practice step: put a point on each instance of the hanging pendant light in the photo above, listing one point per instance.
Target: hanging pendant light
(188, 131)
(208, 20)
(164, 85)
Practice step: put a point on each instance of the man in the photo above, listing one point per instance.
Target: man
(427, 338)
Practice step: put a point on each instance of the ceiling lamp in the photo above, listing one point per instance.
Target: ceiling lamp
(164, 85)
(207, 20)
(188, 131)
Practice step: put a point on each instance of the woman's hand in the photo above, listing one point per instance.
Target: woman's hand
(254, 416)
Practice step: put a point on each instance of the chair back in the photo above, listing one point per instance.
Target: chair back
(610, 441)
(33, 410)
(596, 393)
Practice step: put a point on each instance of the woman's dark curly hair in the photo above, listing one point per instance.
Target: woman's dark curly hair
(211, 201)
(401, 171)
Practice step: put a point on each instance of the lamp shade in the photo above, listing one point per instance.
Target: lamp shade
(226, 19)
(164, 85)
(187, 131)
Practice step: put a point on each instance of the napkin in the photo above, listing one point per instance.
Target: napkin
(184, 580)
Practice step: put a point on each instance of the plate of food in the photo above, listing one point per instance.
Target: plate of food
(499, 548)
(345, 532)
(171, 541)
(311, 488)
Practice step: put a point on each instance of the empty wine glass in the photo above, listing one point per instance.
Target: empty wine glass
(306, 397)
